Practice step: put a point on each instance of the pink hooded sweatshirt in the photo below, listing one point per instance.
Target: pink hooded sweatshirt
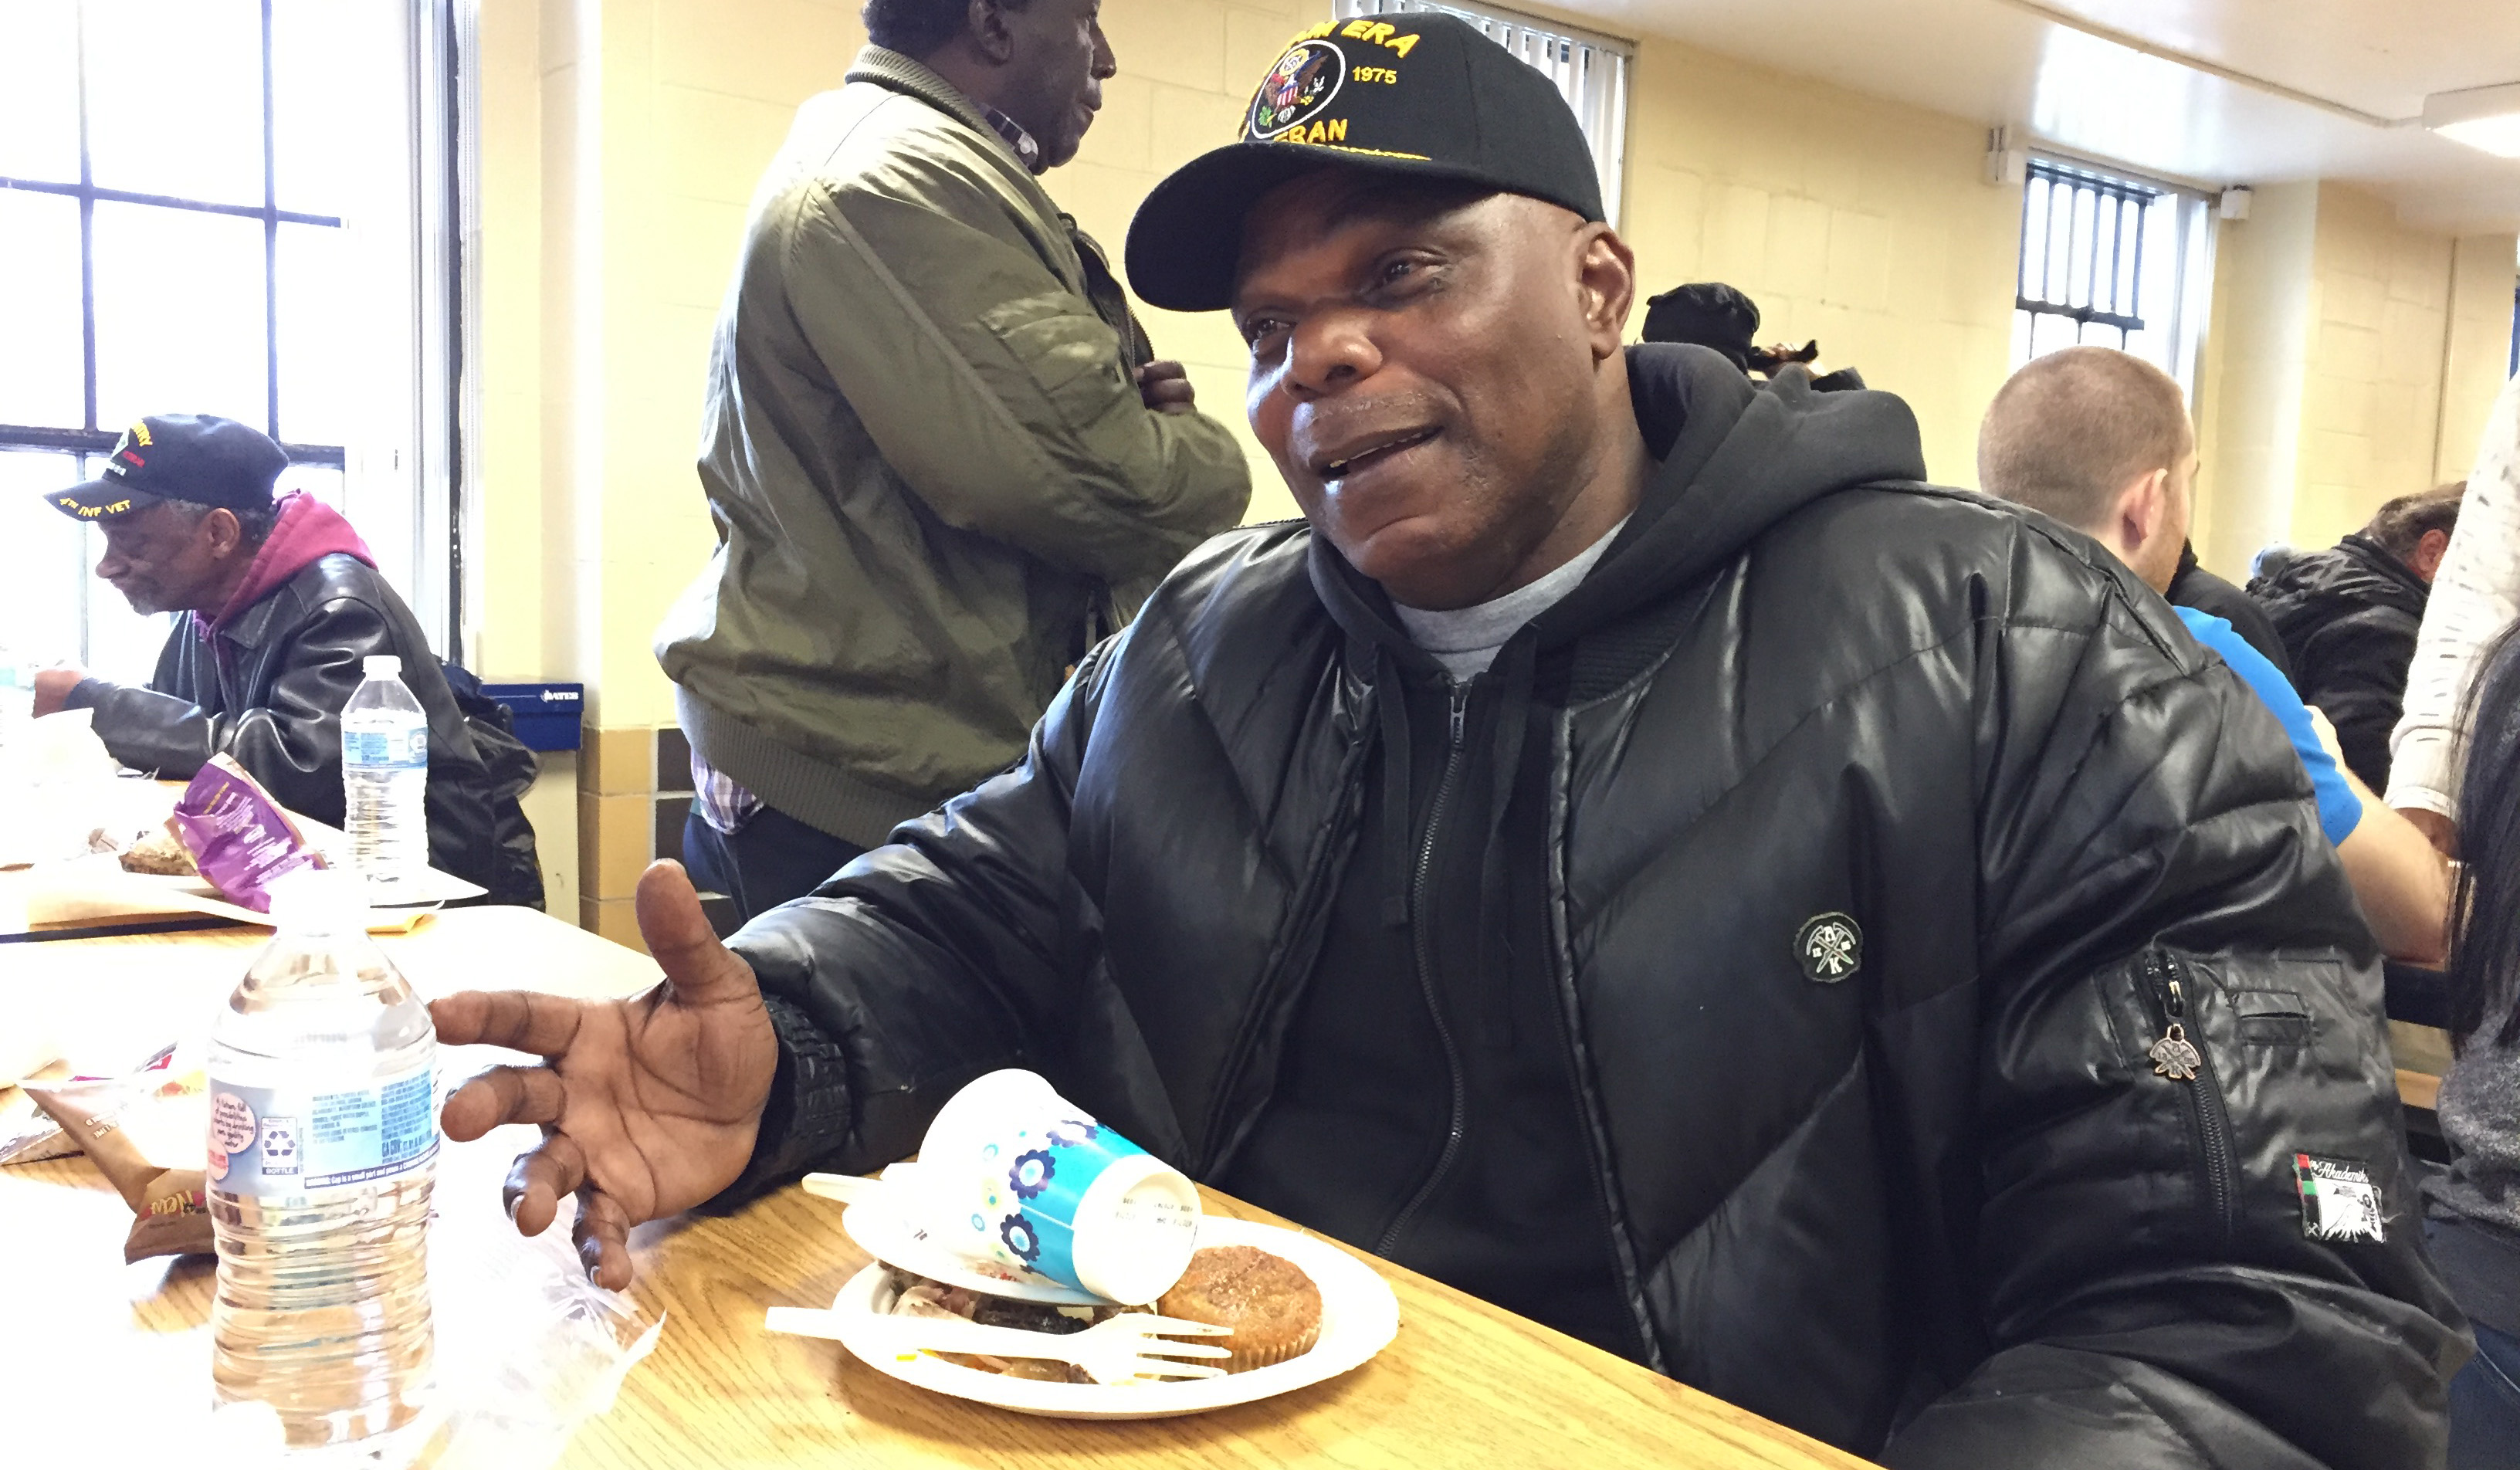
(306, 531)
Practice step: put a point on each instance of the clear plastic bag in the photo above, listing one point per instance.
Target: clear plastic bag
(528, 1350)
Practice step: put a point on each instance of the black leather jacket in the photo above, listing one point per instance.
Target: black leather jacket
(1944, 1210)
(2349, 616)
(268, 690)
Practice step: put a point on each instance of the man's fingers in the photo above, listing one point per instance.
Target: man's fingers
(517, 1019)
(603, 1236)
(539, 1178)
(504, 1095)
(701, 970)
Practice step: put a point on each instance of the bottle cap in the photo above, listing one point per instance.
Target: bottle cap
(320, 900)
(382, 666)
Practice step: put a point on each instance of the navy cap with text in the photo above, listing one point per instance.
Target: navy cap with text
(1416, 95)
(198, 458)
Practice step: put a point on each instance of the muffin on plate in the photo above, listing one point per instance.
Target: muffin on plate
(1273, 1308)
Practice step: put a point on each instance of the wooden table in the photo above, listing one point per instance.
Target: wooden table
(99, 1363)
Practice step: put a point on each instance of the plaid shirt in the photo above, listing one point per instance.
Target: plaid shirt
(721, 803)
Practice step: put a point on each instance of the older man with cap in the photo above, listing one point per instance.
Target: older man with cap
(285, 605)
(1634, 853)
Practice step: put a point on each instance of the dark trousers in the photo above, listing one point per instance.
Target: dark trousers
(2485, 1404)
(773, 859)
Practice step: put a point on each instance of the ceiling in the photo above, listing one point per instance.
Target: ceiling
(2009, 61)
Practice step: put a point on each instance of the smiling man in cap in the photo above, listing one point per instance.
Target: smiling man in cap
(1635, 853)
(283, 604)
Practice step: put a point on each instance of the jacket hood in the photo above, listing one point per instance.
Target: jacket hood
(1735, 460)
(306, 531)
(2356, 572)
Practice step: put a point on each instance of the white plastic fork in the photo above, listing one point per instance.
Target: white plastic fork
(1115, 1349)
(848, 1188)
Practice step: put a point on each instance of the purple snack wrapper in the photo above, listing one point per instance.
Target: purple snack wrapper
(240, 839)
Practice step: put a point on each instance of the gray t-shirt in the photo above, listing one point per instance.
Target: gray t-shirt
(1466, 639)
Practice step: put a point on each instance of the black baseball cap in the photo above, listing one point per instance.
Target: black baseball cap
(1710, 314)
(198, 458)
(1416, 95)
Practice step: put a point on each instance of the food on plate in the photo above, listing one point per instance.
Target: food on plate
(1273, 1308)
(1275, 1312)
(916, 1296)
(159, 853)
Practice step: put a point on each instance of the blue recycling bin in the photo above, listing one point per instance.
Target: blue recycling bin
(547, 716)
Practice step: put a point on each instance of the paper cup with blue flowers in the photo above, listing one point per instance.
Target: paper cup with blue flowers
(1019, 1176)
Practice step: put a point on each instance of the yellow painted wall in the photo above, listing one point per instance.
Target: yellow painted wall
(2248, 406)
(2352, 360)
(2478, 361)
(2372, 402)
(1859, 222)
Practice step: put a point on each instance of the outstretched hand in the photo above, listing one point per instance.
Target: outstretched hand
(647, 1106)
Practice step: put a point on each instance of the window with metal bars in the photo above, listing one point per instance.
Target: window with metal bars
(2108, 261)
(1591, 72)
(206, 208)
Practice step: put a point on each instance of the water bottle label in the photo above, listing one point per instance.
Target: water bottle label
(280, 1140)
(399, 745)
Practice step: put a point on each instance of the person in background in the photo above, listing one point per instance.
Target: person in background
(2475, 595)
(283, 604)
(2193, 586)
(2473, 1223)
(1776, 919)
(940, 456)
(2099, 439)
(2349, 616)
(1713, 315)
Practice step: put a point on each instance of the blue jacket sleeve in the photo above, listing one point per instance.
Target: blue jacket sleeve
(2340, 811)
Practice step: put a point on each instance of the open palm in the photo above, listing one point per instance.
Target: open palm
(647, 1106)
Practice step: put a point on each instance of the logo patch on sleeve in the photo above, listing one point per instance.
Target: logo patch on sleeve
(2339, 1200)
(1831, 947)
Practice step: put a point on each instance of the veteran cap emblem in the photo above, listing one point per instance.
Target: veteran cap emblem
(1302, 83)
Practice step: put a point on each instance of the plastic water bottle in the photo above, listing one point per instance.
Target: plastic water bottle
(385, 776)
(323, 1143)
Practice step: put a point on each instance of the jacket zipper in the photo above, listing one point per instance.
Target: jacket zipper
(1214, 1149)
(2201, 1094)
(1421, 944)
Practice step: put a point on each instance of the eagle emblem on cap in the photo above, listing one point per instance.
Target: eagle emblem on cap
(1302, 83)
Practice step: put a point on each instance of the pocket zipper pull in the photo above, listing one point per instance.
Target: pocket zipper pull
(2175, 1056)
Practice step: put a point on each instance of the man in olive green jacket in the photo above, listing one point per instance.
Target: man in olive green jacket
(939, 458)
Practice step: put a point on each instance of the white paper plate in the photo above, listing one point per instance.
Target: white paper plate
(1358, 1319)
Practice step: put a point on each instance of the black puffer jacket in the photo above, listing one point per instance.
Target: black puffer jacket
(267, 690)
(2193, 586)
(2348, 617)
(1942, 1210)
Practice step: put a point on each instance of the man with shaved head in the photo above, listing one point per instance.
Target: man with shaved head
(2099, 439)
(1633, 852)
